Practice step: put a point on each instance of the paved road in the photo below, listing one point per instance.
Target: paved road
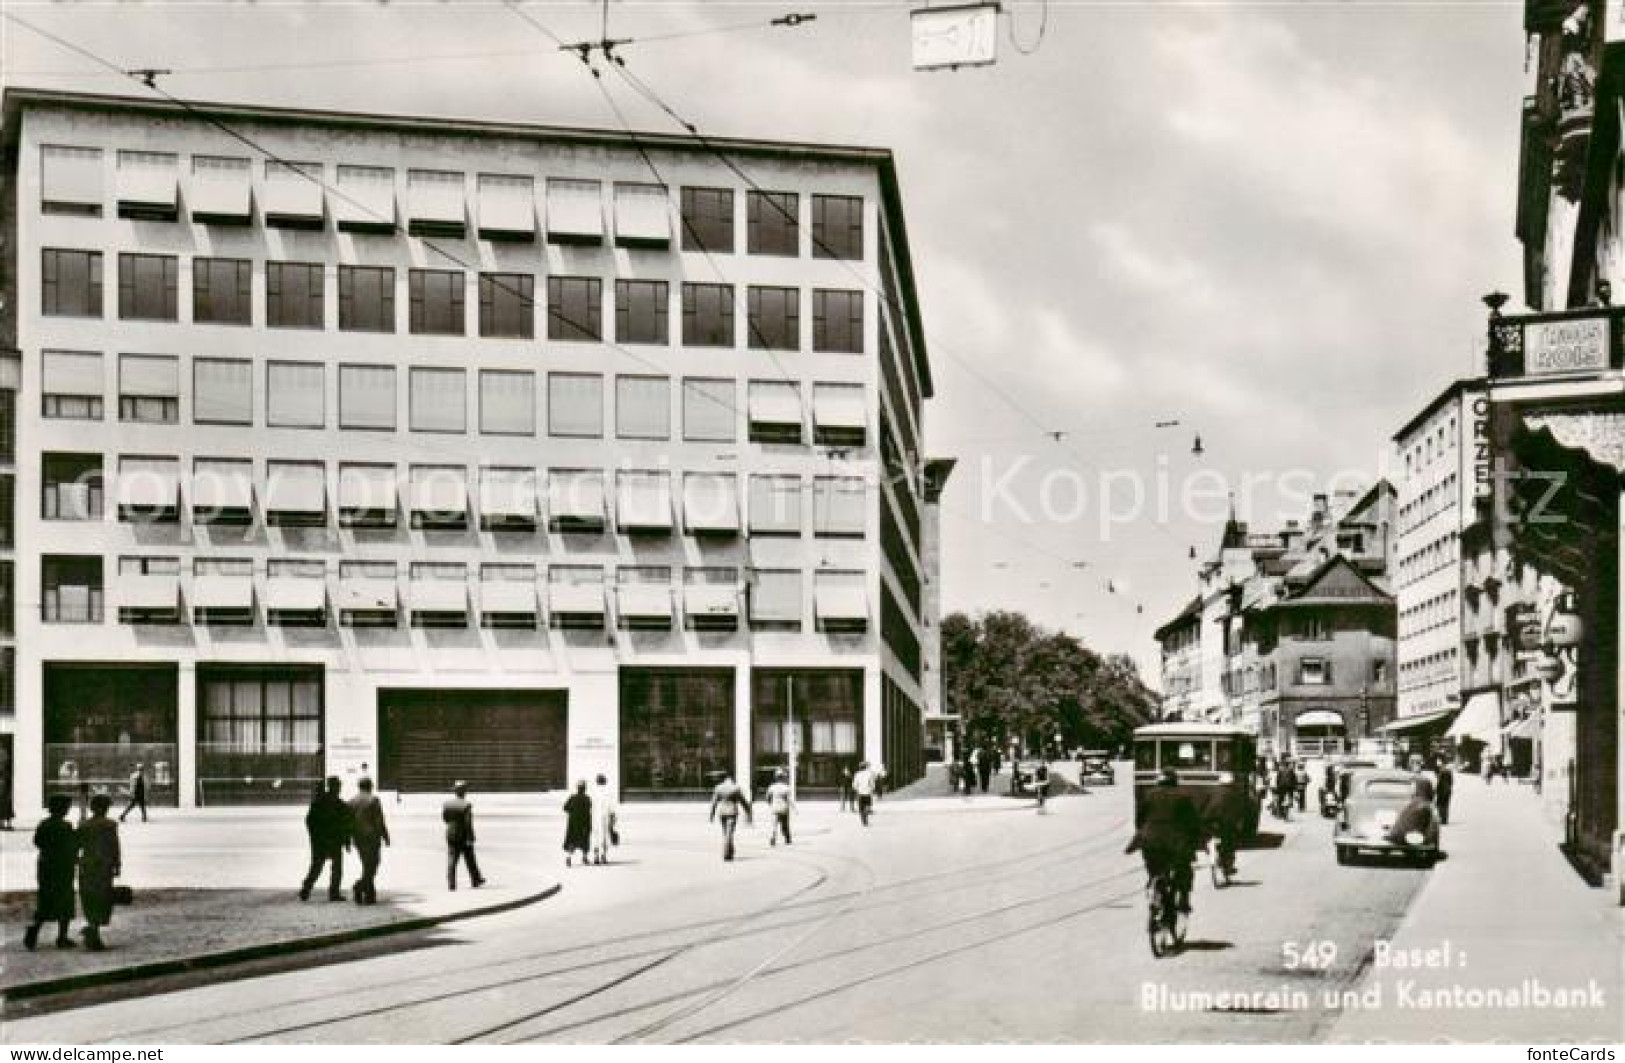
(944, 920)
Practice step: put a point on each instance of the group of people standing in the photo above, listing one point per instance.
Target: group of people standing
(90, 849)
(975, 770)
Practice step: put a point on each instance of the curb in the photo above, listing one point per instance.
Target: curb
(227, 957)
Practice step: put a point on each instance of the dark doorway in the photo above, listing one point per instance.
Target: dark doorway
(498, 741)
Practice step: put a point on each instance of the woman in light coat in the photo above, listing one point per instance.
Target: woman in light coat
(603, 820)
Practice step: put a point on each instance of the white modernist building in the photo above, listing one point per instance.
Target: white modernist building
(449, 450)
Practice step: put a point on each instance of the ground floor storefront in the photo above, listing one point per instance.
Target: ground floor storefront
(243, 732)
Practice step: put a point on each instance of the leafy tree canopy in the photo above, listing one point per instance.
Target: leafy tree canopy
(1009, 678)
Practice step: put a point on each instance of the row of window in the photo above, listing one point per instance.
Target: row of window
(296, 395)
(295, 494)
(1439, 441)
(295, 297)
(1311, 671)
(1434, 612)
(295, 592)
(1430, 668)
(216, 190)
(1426, 560)
(1438, 498)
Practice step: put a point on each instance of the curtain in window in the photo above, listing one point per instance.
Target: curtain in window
(575, 404)
(367, 396)
(643, 407)
(223, 390)
(507, 402)
(294, 394)
(439, 400)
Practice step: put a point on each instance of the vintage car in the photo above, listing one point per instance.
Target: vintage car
(1022, 776)
(1095, 768)
(1368, 813)
(1212, 763)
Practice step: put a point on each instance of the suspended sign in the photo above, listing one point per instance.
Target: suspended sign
(955, 36)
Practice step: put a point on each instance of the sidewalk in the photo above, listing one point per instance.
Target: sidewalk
(1517, 919)
(217, 887)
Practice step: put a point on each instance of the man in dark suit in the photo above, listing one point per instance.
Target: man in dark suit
(138, 794)
(328, 825)
(370, 833)
(459, 816)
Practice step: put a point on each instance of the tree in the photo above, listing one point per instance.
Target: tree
(1009, 678)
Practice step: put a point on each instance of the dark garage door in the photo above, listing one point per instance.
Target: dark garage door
(499, 741)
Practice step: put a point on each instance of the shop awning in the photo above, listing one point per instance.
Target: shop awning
(1319, 718)
(1527, 728)
(1420, 722)
(1480, 718)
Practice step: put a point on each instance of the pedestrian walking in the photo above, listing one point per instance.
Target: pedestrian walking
(370, 834)
(880, 780)
(863, 784)
(99, 865)
(1300, 779)
(138, 794)
(578, 825)
(967, 774)
(604, 814)
(1041, 784)
(327, 823)
(780, 801)
(847, 804)
(458, 815)
(726, 801)
(984, 768)
(58, 845)
(1443, 788)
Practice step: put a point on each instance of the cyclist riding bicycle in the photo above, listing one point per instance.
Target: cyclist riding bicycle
(1168, 832)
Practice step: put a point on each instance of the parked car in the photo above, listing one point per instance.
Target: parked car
(1021, 778)
(1095, 767)
(1368, 813)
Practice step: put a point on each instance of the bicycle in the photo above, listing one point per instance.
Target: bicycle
(1166, 924)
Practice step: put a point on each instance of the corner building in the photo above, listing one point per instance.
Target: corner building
(439, 449)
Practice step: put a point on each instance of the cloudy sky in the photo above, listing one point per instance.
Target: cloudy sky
(1270, 222)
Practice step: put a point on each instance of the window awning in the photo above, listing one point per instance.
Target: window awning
(508, 494)
(149, 483)
(366, 199)
(839, 406)
(438, 595)
(642, 216)
(148, 591)
(575, 211)
(442, 490)
(291, 488)
(71, 373)
(149, 376)
(711, 600)
(296, 594)
(840, 599)
(1419, 722)
(644, 601)
(368, 594)
(435, 197)
(221, 189)
(576, 599)
(711, 503)
(71, 175)
(367, 487)
(223, 592)
(508, 596)
(148, 181)
(775, 597)
(507, 206)
(775, 403)
(1319, 718)
(293, 191)
(576, 496)
(222, 485)
(1480, 718)
(643, 501)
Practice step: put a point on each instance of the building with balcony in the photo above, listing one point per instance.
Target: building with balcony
(1557, 420)
(447, 450)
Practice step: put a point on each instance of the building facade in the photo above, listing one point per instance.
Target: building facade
(1293, 633)
(451, 450)
(1435, 506)
(1557, 419)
